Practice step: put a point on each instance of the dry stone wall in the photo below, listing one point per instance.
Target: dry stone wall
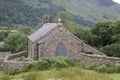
(97, 60)
(9, 65)
(82, 57)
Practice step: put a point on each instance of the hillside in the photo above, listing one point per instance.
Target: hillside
(88, 12)
(30, 12)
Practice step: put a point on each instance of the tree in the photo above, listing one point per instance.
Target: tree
(27, 31)
(15, 42)
(102, 33)
(4, 34)
(112, 50)
(107, 37)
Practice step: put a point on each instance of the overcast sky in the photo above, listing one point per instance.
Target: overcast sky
(118, 1)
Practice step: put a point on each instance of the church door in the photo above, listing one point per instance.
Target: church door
(61, 50)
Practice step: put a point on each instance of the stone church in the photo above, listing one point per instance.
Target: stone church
(52, 39)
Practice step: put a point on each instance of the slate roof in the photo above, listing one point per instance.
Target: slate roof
(42, 31)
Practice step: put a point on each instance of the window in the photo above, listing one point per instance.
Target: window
(61, 50)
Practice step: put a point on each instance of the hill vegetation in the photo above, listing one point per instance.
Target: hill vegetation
(30, 12)
(17, 12)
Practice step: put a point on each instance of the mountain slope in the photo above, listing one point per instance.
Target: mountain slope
(16, 12)
(91, 10)
(30, 12)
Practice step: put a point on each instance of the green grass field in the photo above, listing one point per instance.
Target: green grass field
(115, 76)
(72, 73)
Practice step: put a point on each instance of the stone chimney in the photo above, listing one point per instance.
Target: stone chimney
(47, 18)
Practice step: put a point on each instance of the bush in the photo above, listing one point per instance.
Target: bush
(118, 69)
(14, 72)
(112, 50)
(42, 64)
(28, 67)
(101, 68)
(105, 69)
(111, 70)
(60, 62)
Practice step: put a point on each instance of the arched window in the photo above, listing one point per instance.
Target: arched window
(61, 50)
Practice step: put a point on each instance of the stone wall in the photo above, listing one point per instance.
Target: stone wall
(96, 60)
(88, 59)
(9, 65)
(17, 55)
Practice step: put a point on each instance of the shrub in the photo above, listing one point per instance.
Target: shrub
(111, 70)
(105, 69)
(42, 64)
(28, 67)
(101, 68)
(60, 62)
(118, 69)
(14, 72)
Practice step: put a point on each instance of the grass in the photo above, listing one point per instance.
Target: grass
(115, 76)
(71, 73)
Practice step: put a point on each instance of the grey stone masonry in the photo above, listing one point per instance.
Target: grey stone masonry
(45, 41)
(9, 65)
(96, 59)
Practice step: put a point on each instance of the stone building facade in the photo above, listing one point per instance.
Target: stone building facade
(52, 39)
